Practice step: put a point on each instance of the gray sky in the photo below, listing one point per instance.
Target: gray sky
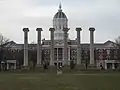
(104, 15)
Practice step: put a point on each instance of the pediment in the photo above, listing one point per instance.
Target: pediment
(110, 44)
(10, 44)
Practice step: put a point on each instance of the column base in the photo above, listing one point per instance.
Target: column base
(25, 68)
(38, 67)
(80, 67)
(92, 67)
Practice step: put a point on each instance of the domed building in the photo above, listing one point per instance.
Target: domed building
(60, 21)
(99, 54)
(62, 51)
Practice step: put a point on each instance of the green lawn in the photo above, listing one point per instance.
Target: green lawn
(38, 81)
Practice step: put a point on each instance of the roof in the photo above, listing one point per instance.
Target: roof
(70, 42)
(60, 14)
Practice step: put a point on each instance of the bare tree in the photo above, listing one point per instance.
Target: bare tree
(117, 41)
(3, 42)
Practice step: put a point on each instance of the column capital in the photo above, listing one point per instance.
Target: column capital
(92, 29)
(52, 29)
(66, 29)
(78, 29)
(39, 29)
(26, 29)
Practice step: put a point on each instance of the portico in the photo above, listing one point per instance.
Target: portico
(111, 64)
(9, 65)
(59, 55)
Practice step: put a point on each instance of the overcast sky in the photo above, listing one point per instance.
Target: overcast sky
(104, 15)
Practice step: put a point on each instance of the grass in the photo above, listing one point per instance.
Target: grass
(47, 81)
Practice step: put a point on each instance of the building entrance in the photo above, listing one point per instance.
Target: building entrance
(58, 56)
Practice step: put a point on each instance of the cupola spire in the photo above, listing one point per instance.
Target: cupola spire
(60, 7)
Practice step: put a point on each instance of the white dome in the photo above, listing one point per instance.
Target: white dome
(60, 14)
(60, 21)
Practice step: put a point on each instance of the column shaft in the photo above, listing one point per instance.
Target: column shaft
(65, 46)
(69, 54)
(113, 66)
(78, 46)
(92, 45)
(7, 65)
(39, 47)
(25, 46)
(14, 65)
(52, 46)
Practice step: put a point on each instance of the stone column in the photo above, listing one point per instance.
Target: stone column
(39, 47)
(26, 30)
(78, 46)
(7, 65)
(52, 46)
(69, 54)
(57, 58)
(113, 66)
(63, 56)
(105, 66)
(65, 46)
(92, 62)
(14, 65)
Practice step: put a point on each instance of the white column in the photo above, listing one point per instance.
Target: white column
(105, 65)
(39, 47)
(65, 46)
(57, 55)
(14, 65)
(7, 65)
(26, 30)
(113, 66)
(52, 46)
(1, 66)
(63, 56)
(78, 46)
(92, 45)
(69, 55)
(57, 58)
